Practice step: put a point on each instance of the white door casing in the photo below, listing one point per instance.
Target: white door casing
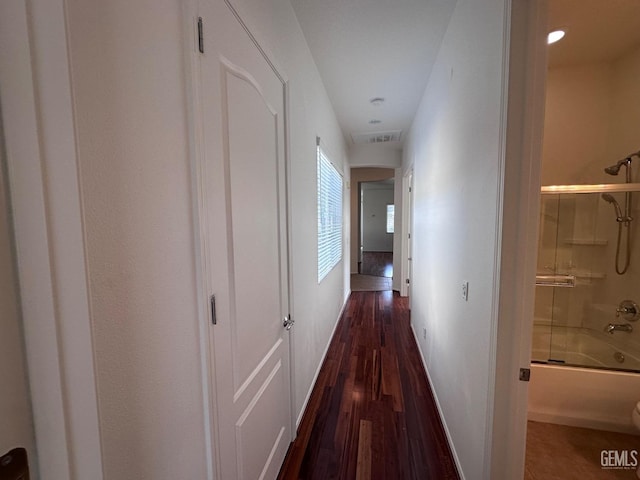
(40, 142)
(243, 229)
(407, 227)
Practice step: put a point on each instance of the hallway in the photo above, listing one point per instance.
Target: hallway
(164, 198)
(371, 414)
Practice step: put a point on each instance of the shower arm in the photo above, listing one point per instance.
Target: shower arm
(629, 179)
(626, 161)
(629, 176)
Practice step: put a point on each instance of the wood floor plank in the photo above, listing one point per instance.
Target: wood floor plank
(363, 467)
(371, 414)
(379, 264)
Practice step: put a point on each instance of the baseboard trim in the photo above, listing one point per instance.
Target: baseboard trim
(324, 356)
(435, 396)
(609, 425)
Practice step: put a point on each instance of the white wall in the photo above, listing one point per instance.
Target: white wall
(623, 139)
(625, 108)
(133, 150)
(16, 423)
(591, 110)
(130, 112)
(374, 218)
(577, 112)
(375, 155)
(455, 146)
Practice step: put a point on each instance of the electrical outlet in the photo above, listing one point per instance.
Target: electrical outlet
(424, 333)
(465, 291)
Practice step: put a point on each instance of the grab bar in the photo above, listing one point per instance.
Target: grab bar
(567, 281)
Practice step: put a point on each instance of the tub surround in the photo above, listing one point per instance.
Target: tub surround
(582, 397)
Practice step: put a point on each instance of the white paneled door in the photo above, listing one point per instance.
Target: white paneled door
(244, 225)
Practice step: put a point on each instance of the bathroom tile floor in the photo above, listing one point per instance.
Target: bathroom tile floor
(558, 452)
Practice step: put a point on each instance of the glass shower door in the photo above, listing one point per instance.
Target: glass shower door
(578, 289)
(544, 299)
(578, 250)
(569, 234)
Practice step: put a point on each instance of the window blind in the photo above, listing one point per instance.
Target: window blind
(329, 215)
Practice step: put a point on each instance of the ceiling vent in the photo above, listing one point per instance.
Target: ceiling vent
(376, 137)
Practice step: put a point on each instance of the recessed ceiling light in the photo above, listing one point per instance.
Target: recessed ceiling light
(554, 36)
(375, 121)
(377, 101)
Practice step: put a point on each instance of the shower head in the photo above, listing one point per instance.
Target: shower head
(610, 199)
(615, 169)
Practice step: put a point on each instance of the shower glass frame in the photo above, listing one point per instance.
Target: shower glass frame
(566, 329)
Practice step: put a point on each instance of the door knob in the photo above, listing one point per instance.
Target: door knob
(288, 322)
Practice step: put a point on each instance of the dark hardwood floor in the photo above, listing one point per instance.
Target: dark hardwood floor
(379, 264)
(371, 414)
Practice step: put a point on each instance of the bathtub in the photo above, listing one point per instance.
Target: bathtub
(583, 397)
(579, 346)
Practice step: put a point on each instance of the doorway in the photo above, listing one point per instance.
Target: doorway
(377, 226)
(372, 228)
(584, 380)
(376, 222)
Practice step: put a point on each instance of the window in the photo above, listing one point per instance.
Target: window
(390, 214)
(329, 216)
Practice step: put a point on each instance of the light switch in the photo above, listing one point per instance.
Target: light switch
(465, 291)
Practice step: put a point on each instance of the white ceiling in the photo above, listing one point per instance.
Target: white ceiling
(386, 48)
(597, 30)
(374, 48)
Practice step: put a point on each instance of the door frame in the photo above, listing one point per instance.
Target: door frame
(514, 298)
(360, 227)
(407, 219)
(42, 166)
(199, 218)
